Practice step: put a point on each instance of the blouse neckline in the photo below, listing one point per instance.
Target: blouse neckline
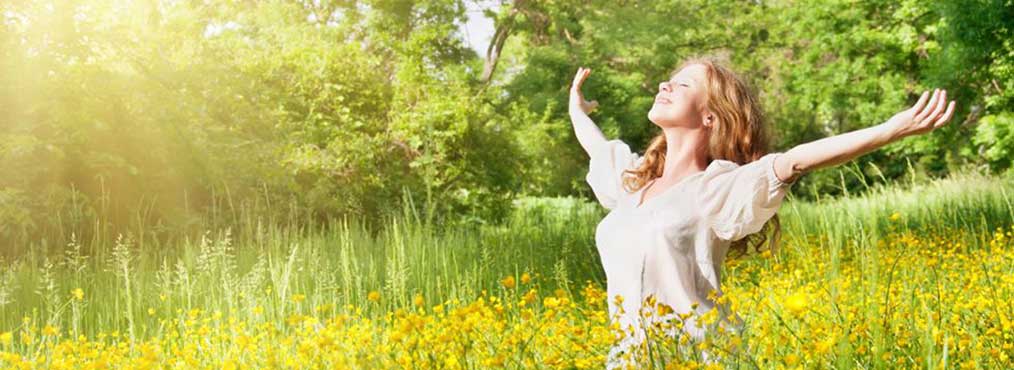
(640, 203)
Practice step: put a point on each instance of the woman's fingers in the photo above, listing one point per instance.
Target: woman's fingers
(923, 113)
(937, 112)
(947, 115)
(576, 97)
(930, 112)
(578, 79)
(582, 74)
(938, 109)
(919, 104)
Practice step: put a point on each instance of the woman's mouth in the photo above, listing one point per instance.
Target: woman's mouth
(661, 100)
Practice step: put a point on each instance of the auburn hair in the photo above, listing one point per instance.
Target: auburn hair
(739, 135)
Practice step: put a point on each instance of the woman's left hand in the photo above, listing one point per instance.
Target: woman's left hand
(922, 117)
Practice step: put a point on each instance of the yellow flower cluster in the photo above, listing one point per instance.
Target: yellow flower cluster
(914, 301)
(488, 332)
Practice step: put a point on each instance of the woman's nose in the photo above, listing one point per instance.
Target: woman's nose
(664, 86)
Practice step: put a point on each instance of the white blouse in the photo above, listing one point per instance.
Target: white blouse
(673, 244)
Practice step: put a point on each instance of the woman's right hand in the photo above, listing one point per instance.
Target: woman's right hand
(576, 98)
(922, 117)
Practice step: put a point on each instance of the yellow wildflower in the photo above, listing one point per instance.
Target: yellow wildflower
(551, 302)
(529, 297)
(824, 346)
(665, 309)
(650, 300)
(508, 282)
(525, 278)
(796, 303)
(791, 359)
(78, 294)
(50, 330)
(373, 296)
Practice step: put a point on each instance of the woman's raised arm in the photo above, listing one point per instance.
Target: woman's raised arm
(588, 134)
(921, 118)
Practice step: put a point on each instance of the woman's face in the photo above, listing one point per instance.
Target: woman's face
(680, 100)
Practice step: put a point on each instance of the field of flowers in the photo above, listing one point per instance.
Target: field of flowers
(900, 278)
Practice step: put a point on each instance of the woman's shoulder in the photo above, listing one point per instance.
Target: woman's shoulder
(721, 164)
(718, 166)
(722, 173)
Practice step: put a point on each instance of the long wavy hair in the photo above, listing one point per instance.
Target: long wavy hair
(740, 135)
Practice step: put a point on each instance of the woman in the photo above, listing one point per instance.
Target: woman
(704, 184)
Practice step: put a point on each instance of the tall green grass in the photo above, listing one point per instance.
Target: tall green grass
(335, 265)
(970, 202)
(265, 271)
(967, 206)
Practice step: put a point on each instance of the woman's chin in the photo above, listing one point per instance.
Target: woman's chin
(656, 118)
(652, 115)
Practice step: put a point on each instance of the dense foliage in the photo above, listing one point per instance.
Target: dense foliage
(170, 115)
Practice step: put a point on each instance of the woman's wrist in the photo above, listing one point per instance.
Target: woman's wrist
(892, 131)
(574, 107)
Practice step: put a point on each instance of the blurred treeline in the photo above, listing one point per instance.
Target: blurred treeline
(162, 117)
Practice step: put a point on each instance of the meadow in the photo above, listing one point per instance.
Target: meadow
(372, 184)
(910, 275)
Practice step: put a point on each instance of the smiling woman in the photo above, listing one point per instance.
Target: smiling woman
(717, 187)
(672, 246)
(708, 197)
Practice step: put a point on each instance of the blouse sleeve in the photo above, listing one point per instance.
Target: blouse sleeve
(606, 168)
(737, 200)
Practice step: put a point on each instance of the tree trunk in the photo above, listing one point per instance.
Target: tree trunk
(503, 31)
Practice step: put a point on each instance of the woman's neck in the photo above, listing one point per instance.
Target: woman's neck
(685, 152)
